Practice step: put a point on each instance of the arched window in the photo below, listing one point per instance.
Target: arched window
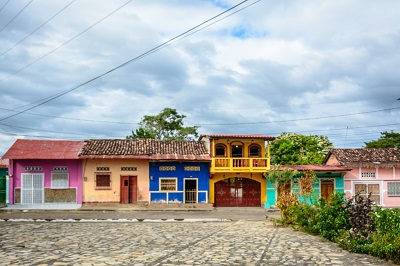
(220, 150)
(254, 150)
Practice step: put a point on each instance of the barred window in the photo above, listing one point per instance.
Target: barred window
(59, 180)
(369, 189)
(393, 188)
(103, 181)
(368, 174)
(168, 184)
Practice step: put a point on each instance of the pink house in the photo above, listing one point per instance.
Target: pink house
(374, 171)
(44, 172)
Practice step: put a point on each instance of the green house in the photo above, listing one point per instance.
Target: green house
(330, 179)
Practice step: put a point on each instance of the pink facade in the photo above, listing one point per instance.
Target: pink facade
(382, 182)
(46, 168)
(375, 172)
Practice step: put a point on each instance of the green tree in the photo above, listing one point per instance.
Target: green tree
(292, 148)
(387, 140)
(168, 124)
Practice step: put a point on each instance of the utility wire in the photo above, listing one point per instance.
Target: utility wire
(37, 28)
(70, 40)
(16, 15)
(4, 5)
(124, 64)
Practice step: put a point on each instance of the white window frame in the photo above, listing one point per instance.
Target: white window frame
(367, 192)
(65, 180)
(168, 185)
(396, 189)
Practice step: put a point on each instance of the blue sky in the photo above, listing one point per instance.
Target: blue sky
(311, 67)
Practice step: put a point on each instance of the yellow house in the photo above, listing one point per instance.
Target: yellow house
(237, 169)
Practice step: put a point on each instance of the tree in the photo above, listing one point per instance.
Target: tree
(168, 124)
(292, 148)
(387, 140)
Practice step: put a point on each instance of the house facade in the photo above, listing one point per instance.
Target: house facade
(44, 171)
(142, 170)
(374, 171)
(237, 169)
(330, 180)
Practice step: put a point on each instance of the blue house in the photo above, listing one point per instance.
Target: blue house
(182, 176)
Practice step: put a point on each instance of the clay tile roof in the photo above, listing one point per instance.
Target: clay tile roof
(238, 136)
(44, 149)
(366, 155)
(151, 149)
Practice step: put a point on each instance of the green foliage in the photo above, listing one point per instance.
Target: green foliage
(292, 148)
(386, 241)
(281, 177)
(168, 124)
(387, 140)
(332, 217)
(305, 216)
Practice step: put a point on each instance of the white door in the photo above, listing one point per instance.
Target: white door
(32, 189)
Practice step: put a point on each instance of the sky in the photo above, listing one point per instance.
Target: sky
(86, 69)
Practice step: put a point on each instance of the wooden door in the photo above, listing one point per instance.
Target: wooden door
(327, 189)
(237, 192)
(128, 192)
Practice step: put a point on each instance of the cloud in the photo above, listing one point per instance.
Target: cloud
(320, 67)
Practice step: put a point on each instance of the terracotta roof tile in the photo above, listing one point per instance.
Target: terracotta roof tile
(151, 149)
(44, 149)
(238, 136)
(366, 155)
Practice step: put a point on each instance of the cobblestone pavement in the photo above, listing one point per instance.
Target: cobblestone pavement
(241, 242)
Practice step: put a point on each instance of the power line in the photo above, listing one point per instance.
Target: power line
(70, 40)
(16, 15)
(124, 64)
(4, 5)
(61, 10)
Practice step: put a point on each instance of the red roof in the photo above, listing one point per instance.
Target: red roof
(316, 168)
(150, 149)
(44, 149)
(238, 136)
(365, 155)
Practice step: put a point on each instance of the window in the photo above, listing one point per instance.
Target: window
(59, 180)
(168, 184)
(254, 150)
(393, 188)
(368, 174)
(220, 150)
(369, 189)
(237, 151)
(103, 181)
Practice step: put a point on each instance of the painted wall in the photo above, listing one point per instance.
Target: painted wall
(74, 170)
(202, 176)
(383, 175)
(91, 194)
(338, 184)
(255, 176)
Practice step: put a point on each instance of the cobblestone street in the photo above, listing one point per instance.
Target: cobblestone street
(241, 242)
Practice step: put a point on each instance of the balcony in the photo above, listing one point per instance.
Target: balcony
(243, 165)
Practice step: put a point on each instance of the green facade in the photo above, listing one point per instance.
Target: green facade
(337, 178)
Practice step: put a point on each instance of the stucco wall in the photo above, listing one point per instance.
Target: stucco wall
(74, 170)
(91, 194)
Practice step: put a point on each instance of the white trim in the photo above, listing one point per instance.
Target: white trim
(366, 182)
(57, 173)
(36, 193)
(184, 188)
(176, 184)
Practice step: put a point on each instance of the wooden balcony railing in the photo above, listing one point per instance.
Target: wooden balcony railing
(240, 164)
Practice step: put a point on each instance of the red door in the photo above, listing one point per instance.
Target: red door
(237, 192)
(128, 192)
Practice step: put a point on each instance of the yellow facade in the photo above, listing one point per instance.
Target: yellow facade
(116, 168)
(235, 158)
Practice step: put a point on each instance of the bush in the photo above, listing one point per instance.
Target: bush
(304, 216)
(386, 241)
(332, 217)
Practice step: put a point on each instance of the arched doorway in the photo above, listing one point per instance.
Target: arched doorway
(237, 192)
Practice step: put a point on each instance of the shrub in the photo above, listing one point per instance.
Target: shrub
(285, 202)
(304, 216)
(332, 217)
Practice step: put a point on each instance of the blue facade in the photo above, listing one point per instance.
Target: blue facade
(179, 182)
